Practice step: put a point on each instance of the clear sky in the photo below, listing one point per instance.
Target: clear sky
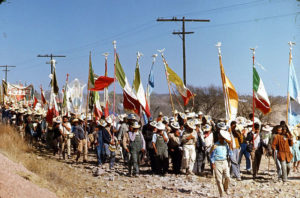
(73, 28)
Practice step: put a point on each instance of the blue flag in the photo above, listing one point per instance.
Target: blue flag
(294, 94)
(150, 81)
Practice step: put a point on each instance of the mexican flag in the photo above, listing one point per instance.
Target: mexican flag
(130, 101)
(261, 99)
(139, 90)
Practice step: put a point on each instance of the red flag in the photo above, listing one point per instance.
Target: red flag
(130, 103)
(35, 102)
(101, 83)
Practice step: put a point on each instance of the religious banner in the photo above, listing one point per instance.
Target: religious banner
(19, 92)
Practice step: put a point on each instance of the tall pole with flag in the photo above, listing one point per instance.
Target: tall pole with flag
(253, 106)
(150, 84)
(229, 92)
(293, 99)
(167, 76)
(288, 93)
(106, 97)
(115, 55)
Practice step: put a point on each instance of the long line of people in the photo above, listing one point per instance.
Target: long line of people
(188, 140)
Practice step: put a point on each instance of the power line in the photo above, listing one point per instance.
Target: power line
(247, 21)
(6, 70)
(183, 33)
(51, 56)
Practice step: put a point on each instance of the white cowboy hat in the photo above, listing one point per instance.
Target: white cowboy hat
(200, 113)
(225, 135)
(171, 119)
(206, 128)
(153, 123)
(222, 125)
(197, 122)
(102, 123)
(160, 126)
(182, 115)
(160, 114)
(57, 119)
(108, 120)
(175, 111)
(267, 128)
(187, 111)
(191, 124)
(175, 125)
(135, 125)
(165, 119)
(131, 117)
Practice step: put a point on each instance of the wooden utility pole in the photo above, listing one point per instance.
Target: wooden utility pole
(6, 70)
(183, 33)
(51, 56)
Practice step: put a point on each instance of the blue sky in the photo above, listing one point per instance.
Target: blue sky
(73, 28)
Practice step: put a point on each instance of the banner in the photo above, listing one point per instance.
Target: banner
(19, 92)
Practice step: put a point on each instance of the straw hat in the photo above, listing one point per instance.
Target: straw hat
(171, 119)
(197, 122)
(131, 117)
(160, 114)
(191, 124)
(108, 120)
(225, 135)
(75, 120)
(102, 123)
(222, 125)
(175, 125)
(175, 111)
(153, 123)
(57, 119)
(160, 126)
(135, 125)
(206, 128)
(267, 128)
(187, 111)
(208, 118)
(165, 119)
(182, 115)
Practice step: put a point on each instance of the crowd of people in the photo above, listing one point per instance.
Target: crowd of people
(181, 144)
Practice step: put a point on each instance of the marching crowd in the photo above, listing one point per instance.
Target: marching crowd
(188, 140)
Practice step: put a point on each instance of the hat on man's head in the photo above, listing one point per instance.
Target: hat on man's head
(57, 119)
(135, 125)
(153, 123)
(191, 124)
(175, 125)
(175, 111)
(131, 117)
(108, 120)
(160, 126)
(222, 126)
(160, 114)
(225, 135)
(200, 113)
(102, 123)
(267, 128)
(206, 128)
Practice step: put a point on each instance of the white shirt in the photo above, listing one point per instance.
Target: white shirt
(64, 129)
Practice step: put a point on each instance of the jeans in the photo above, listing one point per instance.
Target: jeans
(235, 168)
(278, 165)
(286, 167)
(246, 154)
(111, 155)
(99, 150)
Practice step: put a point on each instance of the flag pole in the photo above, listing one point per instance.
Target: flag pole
(105, 89)
(148, 86)
(162, 55)
(253, 108)
(115, 55)
(288, 93)
(219, 44)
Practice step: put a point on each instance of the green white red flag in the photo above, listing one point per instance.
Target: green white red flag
(261, 99)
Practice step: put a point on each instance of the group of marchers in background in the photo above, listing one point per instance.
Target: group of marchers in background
(181, 144)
